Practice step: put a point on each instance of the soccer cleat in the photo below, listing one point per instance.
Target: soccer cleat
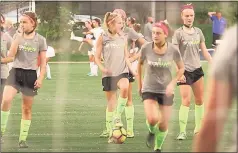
(182, 136)
(157, 150)
(47, 78)
(105, 134)
(89, 74)
(23, 144)
(150, 140)
(130, 134)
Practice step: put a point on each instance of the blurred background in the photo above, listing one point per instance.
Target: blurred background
(57, 18)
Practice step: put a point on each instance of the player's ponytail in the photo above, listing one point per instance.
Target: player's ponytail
(2, 21)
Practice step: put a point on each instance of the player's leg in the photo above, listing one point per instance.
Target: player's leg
(198, 89)
(48, 73)
(162, 131)
(185, 92)
(129, 112)
(152, 116)
(28, 93)
(91, 62)
(123, 85)
(9, 93)
(110, 88)
(26, 120)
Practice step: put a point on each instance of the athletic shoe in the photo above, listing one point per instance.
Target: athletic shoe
(182, 136)
(130, 134)
(157, 150)
(150, 140)
(23, 144)
(105, 134)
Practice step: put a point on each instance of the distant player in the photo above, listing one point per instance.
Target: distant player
(115, 70)
(23, 78)
(189, 40)
(222, 93)
(158, 85)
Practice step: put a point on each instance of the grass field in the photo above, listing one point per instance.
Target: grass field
(69, 115)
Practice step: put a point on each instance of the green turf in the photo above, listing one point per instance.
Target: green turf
(69, 115)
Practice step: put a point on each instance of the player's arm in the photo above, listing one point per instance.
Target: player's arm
(219, 102)
(42, 54)
(205, 52)
(128, 63)
(211, 14)
(5, 60)
(139, 71)
(98, 53)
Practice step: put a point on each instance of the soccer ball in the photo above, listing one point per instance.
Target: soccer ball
(118, 135)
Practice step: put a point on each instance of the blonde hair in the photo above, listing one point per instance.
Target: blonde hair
(110, 18)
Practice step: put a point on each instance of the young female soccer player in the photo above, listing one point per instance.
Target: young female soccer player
(130, 21)
(6, 41)
(158, 85)
(189, 40)
(113, 47)
(131, 35)
(22, 77)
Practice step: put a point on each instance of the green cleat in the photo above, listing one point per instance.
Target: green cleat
(105, 134)
(23, 144)
(181, 136)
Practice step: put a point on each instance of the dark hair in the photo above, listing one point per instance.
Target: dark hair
(137, 27)
(133, 20)
(2, 20)
(98, 21)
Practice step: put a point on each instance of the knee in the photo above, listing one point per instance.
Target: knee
(186, 101)
(26, 110)
(152, 120)
(198, 100)
(124, 90)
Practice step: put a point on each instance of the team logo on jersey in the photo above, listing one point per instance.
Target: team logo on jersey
(27, 48)
(160, 63)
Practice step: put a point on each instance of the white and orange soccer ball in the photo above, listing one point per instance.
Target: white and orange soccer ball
(118, 135)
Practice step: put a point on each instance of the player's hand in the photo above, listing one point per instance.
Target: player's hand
(182, 79)
(38, 84)
(106, 71)
(170, 89)
(84, 33)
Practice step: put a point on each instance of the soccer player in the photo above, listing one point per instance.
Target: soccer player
(96, 31)
(6, 41)
(90, 39)
(189, 40)
(223, 91)
(131, 35)
(157, 89)
(130, 21)
(113, 48)
(24, 49)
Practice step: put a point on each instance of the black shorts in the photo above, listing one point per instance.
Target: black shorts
(215, 37)
(131, 77)
(3, 82)
(192, 77)
(110, 83)
(23, 81)
(162, 99)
